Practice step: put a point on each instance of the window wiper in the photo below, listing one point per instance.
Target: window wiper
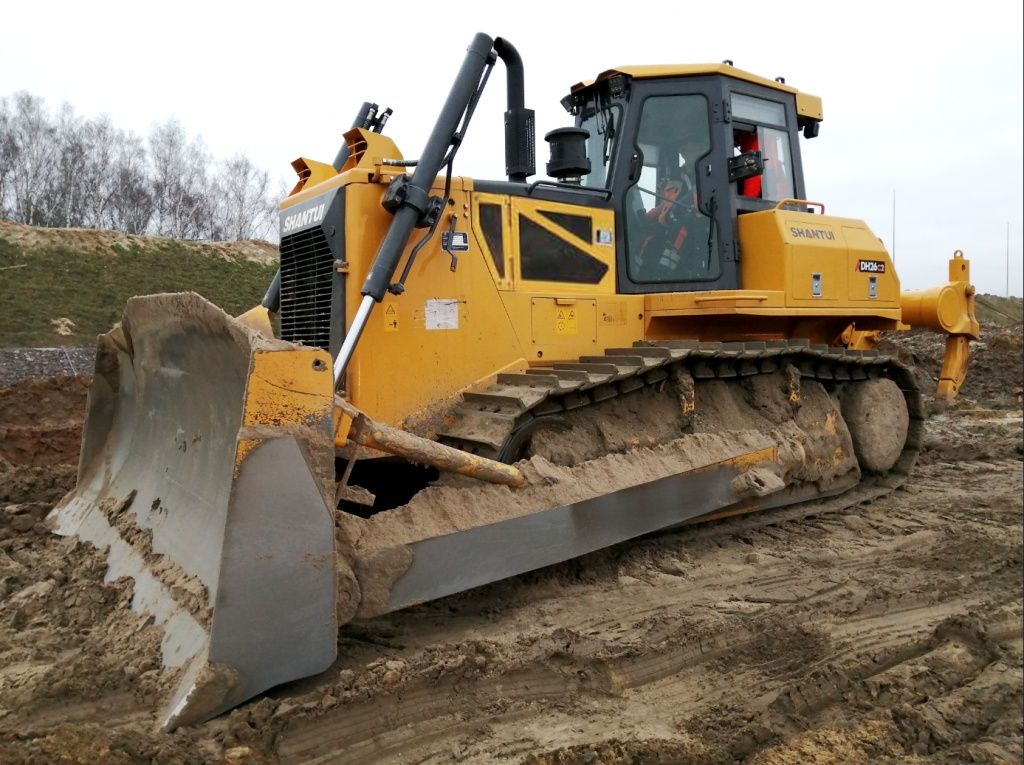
(609, 136)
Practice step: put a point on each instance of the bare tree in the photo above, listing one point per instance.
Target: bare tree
(182, 204)
(242, 209)
(67, 192)
(8, 153)
(31, 173)
(95, 175)
(68, 171)
(132, 204)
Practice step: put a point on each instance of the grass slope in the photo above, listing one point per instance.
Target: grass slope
(44, 282)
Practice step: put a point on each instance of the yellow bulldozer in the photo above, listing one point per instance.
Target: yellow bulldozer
(451, 381)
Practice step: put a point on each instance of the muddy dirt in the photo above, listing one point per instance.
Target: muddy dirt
(890, 632)
(41, 420)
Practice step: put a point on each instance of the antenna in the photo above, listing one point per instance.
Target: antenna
(1007, 258)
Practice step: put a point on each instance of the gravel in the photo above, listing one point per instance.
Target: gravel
(20, 364)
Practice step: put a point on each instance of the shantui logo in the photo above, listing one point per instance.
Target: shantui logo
(303, 218)
(811, 233)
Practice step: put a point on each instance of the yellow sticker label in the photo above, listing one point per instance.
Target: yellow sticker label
(565, 321)
(390, 318)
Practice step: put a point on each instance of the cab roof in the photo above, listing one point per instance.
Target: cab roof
(807, 105)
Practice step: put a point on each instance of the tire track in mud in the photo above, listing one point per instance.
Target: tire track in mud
(794, 617)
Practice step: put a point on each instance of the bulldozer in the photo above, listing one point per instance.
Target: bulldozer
(451, 381)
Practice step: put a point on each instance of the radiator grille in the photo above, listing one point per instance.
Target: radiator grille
(307, 272)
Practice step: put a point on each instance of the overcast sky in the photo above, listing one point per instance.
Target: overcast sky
(924, 99)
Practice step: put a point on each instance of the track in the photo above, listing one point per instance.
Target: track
(501, 421)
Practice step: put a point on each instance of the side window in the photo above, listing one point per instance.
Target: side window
(668, 237)
(760, 125)
(778, 167)
(602, 124)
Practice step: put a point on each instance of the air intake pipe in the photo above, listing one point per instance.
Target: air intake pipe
(520, 130)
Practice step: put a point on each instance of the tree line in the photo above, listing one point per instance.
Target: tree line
(62, 170)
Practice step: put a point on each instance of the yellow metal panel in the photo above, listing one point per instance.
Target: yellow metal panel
(690, 70)
(601, 219)
(366, 149)
(560, 324)
(289, 387)
(865, 250)
(783, 249)
(718, 301)
(817, 252)
(762, 253)
(504, 282)
(809, 106)
(452, 327)
(612, 313)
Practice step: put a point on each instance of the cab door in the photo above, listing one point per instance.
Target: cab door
(671, 182)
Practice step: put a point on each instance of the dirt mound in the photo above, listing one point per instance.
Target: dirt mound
(99, 241)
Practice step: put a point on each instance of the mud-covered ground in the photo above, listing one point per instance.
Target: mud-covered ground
(890, 632)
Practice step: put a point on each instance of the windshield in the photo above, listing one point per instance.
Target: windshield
(603, 125)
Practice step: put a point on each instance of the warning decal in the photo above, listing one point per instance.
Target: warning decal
(390, 318)
(565, 321)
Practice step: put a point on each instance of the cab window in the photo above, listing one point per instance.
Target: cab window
(760, 125)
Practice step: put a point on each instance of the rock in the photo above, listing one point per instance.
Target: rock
(36, 591)
(328, 701)
(237, 755)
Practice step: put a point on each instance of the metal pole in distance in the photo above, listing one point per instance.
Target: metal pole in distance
(351, 338)
(1007, 258)
(894, 225)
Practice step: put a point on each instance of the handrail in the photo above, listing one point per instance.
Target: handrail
(794, 200)
(725, 298)
(571, 186)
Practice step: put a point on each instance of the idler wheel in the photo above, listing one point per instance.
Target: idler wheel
(876, 415)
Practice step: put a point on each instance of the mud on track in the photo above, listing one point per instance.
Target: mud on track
(885, 633)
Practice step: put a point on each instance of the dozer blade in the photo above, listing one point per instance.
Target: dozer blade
(206, 468)
(444, 565)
